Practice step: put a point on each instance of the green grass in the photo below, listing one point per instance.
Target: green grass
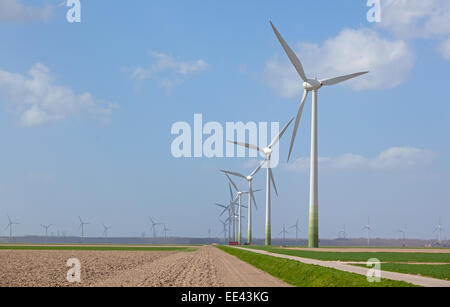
(434, 271)
(96, 248)
(356, 256)
(305, 275)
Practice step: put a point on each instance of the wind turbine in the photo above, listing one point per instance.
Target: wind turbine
(269, 179)
(105, 230)
(228, 220)
(369, 229)
(165, 229)
(46, 227)
(82, 224)
(239, 199)
(224, 231)
(342, 234)
(439, 231)
(297, 229)
(10, 226)
(403, 233)
(311, 85)
(154, 227)
(251, 198)
(284, 232)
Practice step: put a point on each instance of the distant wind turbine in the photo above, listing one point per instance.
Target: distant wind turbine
(82, 224)
(311, 85)
(154, 225)
(46, 227)
(269, 178)
(224, 231)
(284, 232)
(369, 229)
(343, 233)
(297, 230)
(439, 231)
(10, 226)
(105, 230)
(165, 229)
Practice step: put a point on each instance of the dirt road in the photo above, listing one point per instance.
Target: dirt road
(206, 267)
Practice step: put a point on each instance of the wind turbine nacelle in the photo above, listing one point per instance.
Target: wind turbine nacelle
(268, 151)
(312, 85)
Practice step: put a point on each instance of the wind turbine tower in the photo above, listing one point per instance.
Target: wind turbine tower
(311, 85)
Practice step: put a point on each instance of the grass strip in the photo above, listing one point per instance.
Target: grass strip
(361, 256)
(427, 270)
(306, 275)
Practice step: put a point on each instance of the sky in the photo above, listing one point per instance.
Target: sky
(86, 111)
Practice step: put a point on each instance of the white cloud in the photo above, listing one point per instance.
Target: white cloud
(14, 10)
(416, 18)
(445, 49)
(37, 100)
(396, 158)
(389, 62)
(168, 71)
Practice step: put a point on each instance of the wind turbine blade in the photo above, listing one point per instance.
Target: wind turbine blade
(292, 57)
(232, 182)
(277, 139)
(234, 174)
(257, 169)
(297, 122)
(231, 192)
(273, 181)
(252, 195)
(250, 146)
(337, 80)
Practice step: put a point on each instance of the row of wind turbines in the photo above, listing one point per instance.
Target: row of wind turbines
(309, 85)
(82, 224)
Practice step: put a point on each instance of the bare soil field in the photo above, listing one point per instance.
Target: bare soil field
(375, 250)
(206, 267)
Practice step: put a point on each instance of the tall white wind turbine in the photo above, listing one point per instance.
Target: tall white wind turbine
(311, 85)
(267, 152)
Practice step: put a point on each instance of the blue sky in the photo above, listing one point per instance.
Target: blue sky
(86, 111)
